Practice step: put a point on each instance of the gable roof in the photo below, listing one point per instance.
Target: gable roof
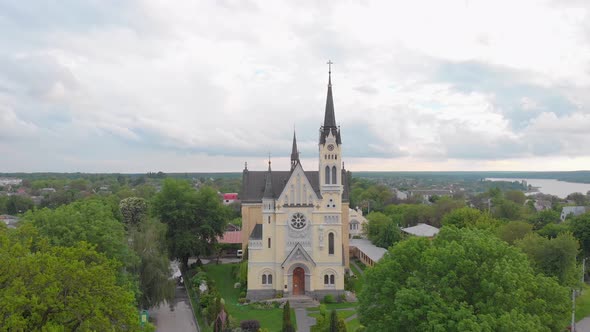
(298, 254)
(253, 184)
(421, 230)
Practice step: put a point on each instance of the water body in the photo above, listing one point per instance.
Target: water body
(551, 186)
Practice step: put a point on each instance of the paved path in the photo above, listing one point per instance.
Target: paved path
(583, 325)
(179, 319)
(358, 267)
(303, 321)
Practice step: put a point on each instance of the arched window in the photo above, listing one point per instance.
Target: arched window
(264, 279)
(334, 173)
(331, 244)
(331, 279)
(326, 279)
(269, 242)
(270, 279)
(327, 175)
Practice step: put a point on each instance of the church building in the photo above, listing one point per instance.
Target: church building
(295, 222)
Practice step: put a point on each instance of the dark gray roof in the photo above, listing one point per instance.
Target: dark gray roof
(256, 232)
(329, 118)
(253, 184)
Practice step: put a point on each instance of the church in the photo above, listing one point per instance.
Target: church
(295, 222)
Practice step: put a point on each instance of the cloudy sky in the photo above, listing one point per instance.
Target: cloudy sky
(189, 86)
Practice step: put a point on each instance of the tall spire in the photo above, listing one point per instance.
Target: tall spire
(294, 153)
(329, 118)
(268, 183)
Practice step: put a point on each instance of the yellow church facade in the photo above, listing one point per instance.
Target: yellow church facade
(295, 222)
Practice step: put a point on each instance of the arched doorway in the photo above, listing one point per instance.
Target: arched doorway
(298, 281)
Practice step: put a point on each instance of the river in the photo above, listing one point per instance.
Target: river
(551, 186)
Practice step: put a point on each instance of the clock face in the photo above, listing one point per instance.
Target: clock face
(330, 147)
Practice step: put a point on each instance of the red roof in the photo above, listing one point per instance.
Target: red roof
(233, 196)
(231, 237)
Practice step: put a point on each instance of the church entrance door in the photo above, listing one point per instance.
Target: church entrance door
(298, 281)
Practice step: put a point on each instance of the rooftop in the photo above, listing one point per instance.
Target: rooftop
(422, 230)
(375, 253)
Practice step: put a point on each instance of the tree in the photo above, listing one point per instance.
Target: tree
(287, 324)
(18, 204)
(514, 230)
(578, 198)
(543, 218)
(381, 230)
(580, 226)
(134, 210)
(153, 269)
(333, 321)
(463, 217)
(515, 196)
(90, 221)
(463, 280)
(54, 288)
(553, 257)
(442, 206)
(551, 230)
(194, 219)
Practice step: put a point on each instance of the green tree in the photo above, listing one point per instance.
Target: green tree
(580, 227)
(463, 280)
(543, 218)
(553, 257)
(514, 230)
(463, 217)
(515, 196)
(287, 324)
(53, 288)
(381, 230)
(153, 269)
(443, 206)
(551, 230)
(18, 204)
(194, 219)
(90, 221)
(333, 321)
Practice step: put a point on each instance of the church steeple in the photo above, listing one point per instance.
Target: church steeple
(268, 193)
(294, 153)
(329, 117)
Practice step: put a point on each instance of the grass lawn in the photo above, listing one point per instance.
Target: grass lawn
(272, 319)
(353, 325)
(583, 304)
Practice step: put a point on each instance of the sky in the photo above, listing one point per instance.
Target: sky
(205, 86)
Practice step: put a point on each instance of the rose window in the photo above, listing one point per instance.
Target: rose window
(298, 221)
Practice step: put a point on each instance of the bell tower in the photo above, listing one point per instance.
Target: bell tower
(330, 147)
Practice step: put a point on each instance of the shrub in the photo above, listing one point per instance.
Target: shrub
(329, 298)
(251, 325)
(242, 294)
(242, 300)
(279, 294)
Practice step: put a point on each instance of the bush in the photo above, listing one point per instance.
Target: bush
(279, 294)
(251, 325)
(329, 299)
(242, 294)
(242, 300)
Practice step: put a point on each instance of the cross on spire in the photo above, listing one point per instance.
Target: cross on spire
(330, 63)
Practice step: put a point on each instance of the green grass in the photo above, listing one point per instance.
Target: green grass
(271, 319)
(353, 325)
(583, 304)
(341, 305)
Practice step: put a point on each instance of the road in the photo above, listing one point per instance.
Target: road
(180, 319)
